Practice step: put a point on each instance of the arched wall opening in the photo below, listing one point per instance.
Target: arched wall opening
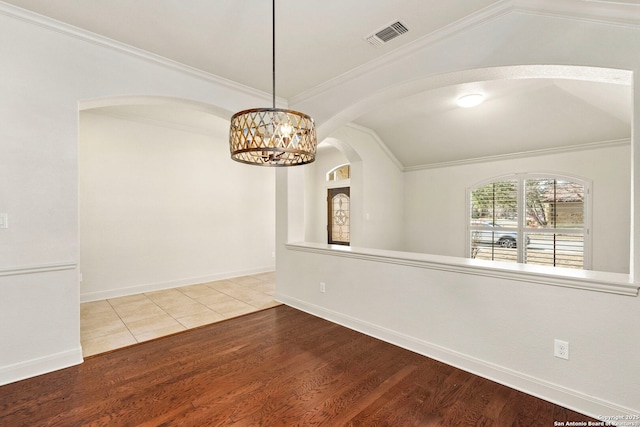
(460, 311)
(606, 162)
(474, 75)
(161, 204)
(154, 101)
(331, 153)
(61, 66)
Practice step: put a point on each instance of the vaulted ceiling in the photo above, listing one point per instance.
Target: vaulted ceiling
(319, 42)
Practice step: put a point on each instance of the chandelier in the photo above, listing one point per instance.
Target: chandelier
(272, 136)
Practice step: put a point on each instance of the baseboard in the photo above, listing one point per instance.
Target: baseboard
(39, 366)
(571, 399)
(150, 287)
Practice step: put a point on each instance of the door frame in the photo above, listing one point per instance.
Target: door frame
(331, 193)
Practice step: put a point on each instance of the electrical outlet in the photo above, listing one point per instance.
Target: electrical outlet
(561, 349)
(322, 287)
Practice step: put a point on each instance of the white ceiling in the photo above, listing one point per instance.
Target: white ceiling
(516, 116)
(315, 40)
(322, 40)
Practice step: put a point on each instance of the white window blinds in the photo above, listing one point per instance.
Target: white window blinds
(537, 220)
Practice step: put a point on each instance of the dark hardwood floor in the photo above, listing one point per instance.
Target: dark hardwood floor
(277, 367)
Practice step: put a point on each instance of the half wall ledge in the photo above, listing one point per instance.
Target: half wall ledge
(599, 281)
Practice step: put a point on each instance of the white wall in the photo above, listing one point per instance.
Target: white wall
(502, 329)
(376, 188)
(45, 73)
(432, 202)
(436, 212)
(499, 327)
(162, 207)
(316, 187)
(496, 325)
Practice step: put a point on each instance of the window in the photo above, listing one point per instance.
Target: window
(530, 219)
(338, 173)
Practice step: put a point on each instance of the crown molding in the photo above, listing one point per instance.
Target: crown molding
(484, 15)
(600, 11)
(597, 11)
(523, 154)
(98, 40)
(378, 141)
(501, 157)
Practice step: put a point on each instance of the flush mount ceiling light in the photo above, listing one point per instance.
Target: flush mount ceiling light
(272, 136)
(471, 100)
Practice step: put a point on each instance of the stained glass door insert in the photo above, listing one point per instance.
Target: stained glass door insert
(339, 216)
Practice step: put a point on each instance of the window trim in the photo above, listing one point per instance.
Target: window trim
(521, 229)
(334, 170)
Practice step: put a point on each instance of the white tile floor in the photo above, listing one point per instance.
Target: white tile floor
(118, 322)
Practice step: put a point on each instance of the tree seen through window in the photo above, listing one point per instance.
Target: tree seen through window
(529, 220)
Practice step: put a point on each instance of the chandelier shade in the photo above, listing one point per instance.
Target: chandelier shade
(272, 137)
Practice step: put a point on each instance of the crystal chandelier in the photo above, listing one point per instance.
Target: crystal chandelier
(272, 136)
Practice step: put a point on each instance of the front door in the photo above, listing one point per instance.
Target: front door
(339, 216)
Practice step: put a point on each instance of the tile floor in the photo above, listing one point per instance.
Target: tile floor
(119, 322)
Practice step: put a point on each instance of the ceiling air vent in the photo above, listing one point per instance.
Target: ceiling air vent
(387, 33)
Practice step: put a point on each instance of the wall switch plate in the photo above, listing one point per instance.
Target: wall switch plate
(561, 349)
(4, 220)
(322, 287)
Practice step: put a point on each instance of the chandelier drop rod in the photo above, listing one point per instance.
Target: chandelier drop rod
(272, 136)
(273, 50)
